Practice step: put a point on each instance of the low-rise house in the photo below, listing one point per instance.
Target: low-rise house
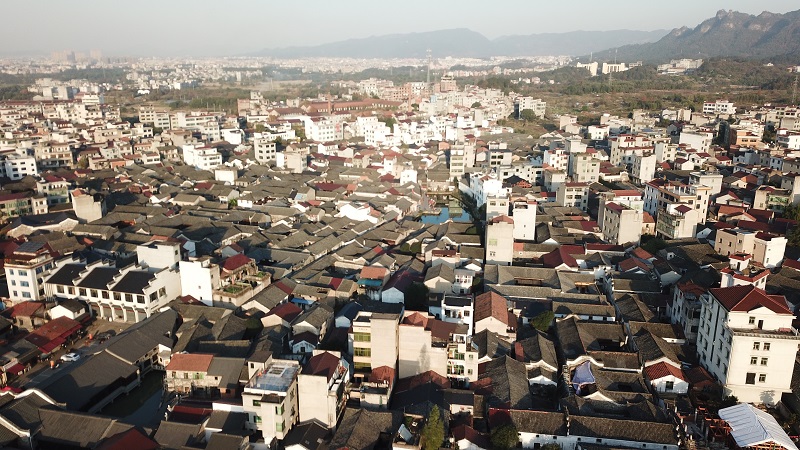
(270, 399)
(492, 313)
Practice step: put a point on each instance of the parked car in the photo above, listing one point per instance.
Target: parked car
(70, 357)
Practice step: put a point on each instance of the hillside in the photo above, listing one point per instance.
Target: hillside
(462, 42)
(728, 34)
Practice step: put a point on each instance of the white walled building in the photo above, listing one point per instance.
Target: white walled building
(270, 399)
(322, 388)
(200, 278)
(746, 340)
(500, 240)
(203, 158)
(524, 215)
(25, 268)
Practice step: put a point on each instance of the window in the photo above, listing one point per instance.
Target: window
(756, 346)
(762, 378)
(93, 293)
(750, 378)
(360, 351)
(23, 272)
(128, 297)
(24, 283)
(140, 298)
(753, 360)
(117, 296)
(361, 337)
(764, 361)
(60, 289)
(752, 320)
(257, 419)
(26, 295)
(104, 294)
(256, 403)
(82, 292)
(493, 242)
(669, 385)
(766, 346)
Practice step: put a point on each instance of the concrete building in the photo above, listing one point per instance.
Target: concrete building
(128, 294)
(534, 104)
(746, 340)
(25, 269)
(88, 207)
(203, 158)
(678, 221)
(322, 388)
(766, 249)
(496, 206)
(573, 194)
(17, 166)
(584, 168)
(719, 107)
(644, 168)
(429, 344)
(621, 224)
(270, 399)
(200, 277)
(373, 341)
(500, 240)
(524, 215)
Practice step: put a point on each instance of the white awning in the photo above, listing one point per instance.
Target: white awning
(750, 427)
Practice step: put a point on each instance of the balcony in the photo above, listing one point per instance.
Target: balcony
(234, 290)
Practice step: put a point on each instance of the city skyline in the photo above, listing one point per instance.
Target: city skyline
(203, 28)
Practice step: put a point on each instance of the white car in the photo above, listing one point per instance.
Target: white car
(71, 357)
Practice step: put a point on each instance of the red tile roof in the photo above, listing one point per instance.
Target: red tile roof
(382, 373)
(748, 297)
(236, 262)
(190, 362)
(286, 311)
(661, 370)
(559, 256)
(491, 304)
(322, 364)
(373, 272)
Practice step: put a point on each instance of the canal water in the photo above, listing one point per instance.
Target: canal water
(457, 215)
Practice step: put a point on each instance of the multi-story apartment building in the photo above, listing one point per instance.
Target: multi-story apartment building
(373, 342)
(22, 204)
(129, 294)
(500, 240)
(584, 168)
(644, 168)
(746, 341)
(534, 104)
(265, 150)
(719, 107)
(573, 194)
(772, 198)
(53, 155)
(458, 309)
(17, 166)
(25, 269)
(659, 194)
(524, 214)
(678, 221)
(686, 308)
(443, 347)
(56, 189)
(270, 399)
(322, 388)
(203, 158)
(621, 224)
(766, 249)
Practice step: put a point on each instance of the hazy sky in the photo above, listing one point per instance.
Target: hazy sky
(234, 27)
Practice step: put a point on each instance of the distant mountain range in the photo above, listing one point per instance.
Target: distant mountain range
(728, 34)
(462, 42)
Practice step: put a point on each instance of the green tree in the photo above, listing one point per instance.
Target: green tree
(476, 105)
(83, 163)
(505, 437)
(233, 203)
(389, 121)
(527, 115)
(259, 128)
(543, 320)
(433, 433)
